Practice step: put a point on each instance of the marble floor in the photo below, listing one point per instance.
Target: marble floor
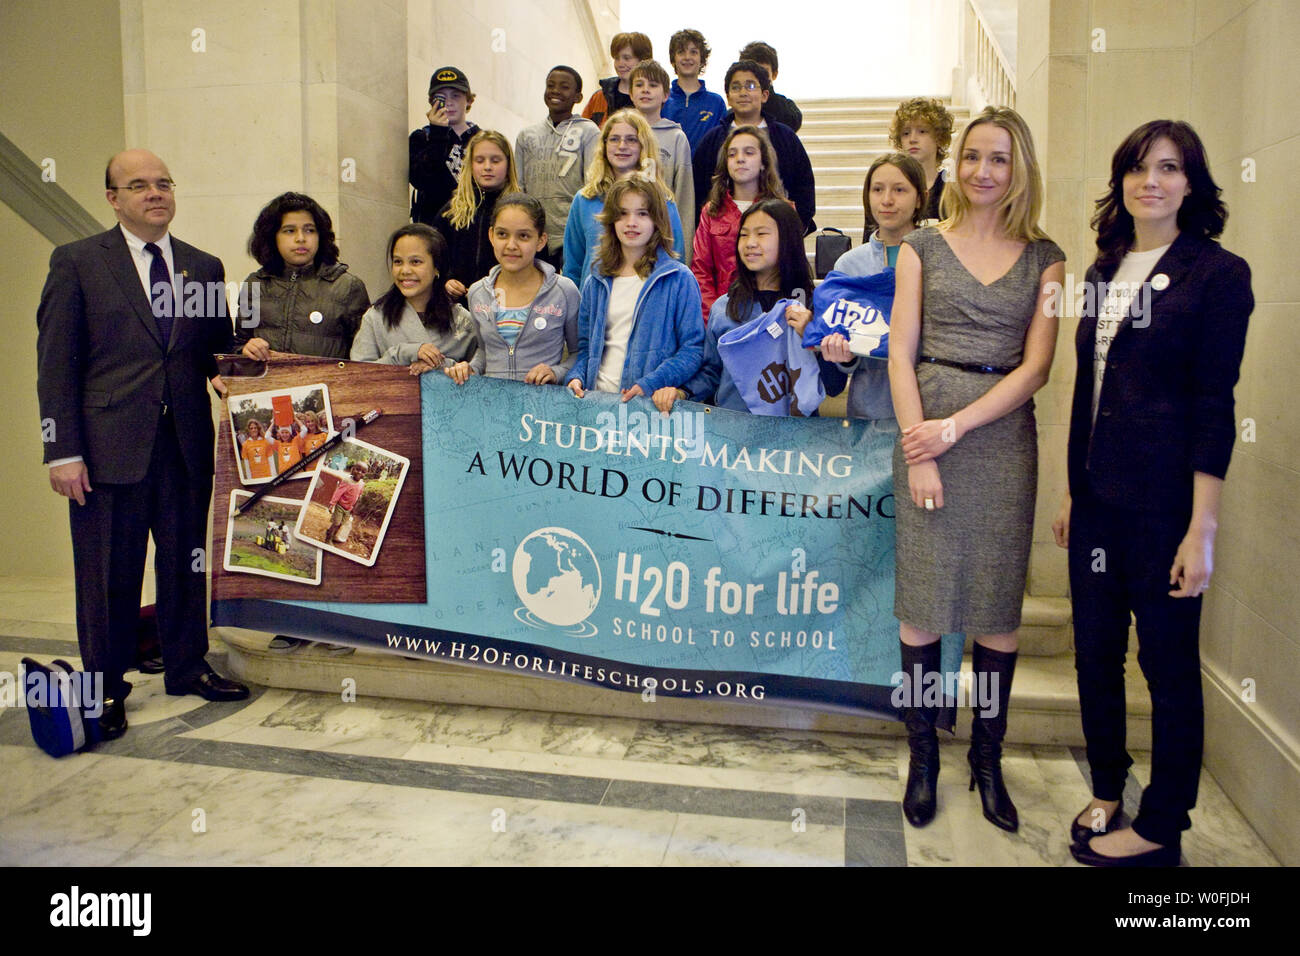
(291, 777)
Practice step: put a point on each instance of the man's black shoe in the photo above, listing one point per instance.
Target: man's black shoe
(151, 665)
(210, 686)
(112, 722)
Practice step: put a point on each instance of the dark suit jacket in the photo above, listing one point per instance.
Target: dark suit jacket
(102, 371)
(1166, 406)
(792, 163)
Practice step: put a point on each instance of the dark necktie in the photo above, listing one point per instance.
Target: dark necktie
(161, 298)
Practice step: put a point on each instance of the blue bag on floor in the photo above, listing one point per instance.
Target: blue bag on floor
(63, 722)
(856, 307)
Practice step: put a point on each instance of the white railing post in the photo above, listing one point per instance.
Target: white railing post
(993, 76)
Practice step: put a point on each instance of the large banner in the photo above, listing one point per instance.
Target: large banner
(706, 554)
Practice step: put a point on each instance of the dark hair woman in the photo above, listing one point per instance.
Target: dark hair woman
(771, 265)
(1159, 350)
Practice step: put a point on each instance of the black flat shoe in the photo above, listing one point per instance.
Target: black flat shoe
(150, 665)
(1081, 834)
(112, 722)
(1160, 856)
(211, 686)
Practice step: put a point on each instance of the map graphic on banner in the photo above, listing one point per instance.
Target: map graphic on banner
(707, 553)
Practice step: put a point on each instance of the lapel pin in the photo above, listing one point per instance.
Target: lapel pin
(1160, 282)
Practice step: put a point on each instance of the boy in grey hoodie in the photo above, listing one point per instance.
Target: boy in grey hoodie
(552, 157)
(650, 89)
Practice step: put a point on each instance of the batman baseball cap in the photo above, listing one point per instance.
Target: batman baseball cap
(448, 76)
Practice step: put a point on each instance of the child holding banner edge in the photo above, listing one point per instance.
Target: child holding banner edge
(415, 322)
(640, 332)
(771, 265)
(526, 314)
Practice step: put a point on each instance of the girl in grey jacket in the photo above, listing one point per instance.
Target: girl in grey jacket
(414, 323)
(525, 314)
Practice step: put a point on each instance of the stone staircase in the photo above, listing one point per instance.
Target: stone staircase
(842, 138)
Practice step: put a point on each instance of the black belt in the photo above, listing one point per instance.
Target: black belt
(983, 369)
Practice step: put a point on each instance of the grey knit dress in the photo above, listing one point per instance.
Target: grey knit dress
(961, 568)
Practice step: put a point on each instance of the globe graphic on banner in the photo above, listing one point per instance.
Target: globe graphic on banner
(556, 576)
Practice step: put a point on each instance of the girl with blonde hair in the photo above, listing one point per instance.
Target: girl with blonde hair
(627, 148)
(466, 221)
(970, 341)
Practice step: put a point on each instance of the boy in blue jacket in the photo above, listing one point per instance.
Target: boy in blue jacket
(695, 108)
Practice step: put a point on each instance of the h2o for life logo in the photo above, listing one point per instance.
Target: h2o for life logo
(557, 578)
(862, 325)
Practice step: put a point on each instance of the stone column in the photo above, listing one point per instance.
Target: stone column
(246, 100)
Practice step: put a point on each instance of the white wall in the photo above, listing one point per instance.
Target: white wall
(827, 48)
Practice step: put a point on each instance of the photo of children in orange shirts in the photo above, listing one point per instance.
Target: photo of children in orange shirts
(273, 431)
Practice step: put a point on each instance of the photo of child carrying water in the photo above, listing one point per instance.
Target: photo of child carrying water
(262, 541)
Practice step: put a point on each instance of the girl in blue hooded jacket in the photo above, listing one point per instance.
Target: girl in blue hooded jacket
(640, 327)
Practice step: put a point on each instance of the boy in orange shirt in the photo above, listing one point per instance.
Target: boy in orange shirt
(614, 93)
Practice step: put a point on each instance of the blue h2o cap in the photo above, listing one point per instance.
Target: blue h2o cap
(448, 76)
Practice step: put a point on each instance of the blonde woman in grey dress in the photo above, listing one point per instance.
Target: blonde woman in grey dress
(971, 340)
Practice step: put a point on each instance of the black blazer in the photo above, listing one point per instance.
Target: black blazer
(102, 372)
(1166, 407)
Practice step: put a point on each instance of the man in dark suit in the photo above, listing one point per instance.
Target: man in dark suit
(127, 327)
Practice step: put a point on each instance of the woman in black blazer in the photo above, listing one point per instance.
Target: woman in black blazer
(1159, 347)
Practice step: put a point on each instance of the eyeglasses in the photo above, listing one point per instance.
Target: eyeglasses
(162, 185)
(748, 86)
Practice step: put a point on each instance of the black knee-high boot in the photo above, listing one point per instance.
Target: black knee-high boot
(919, 799)
(993, 673)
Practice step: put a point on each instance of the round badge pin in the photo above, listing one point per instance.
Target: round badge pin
(316, 318)
(539, 323)
(1160, 282)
